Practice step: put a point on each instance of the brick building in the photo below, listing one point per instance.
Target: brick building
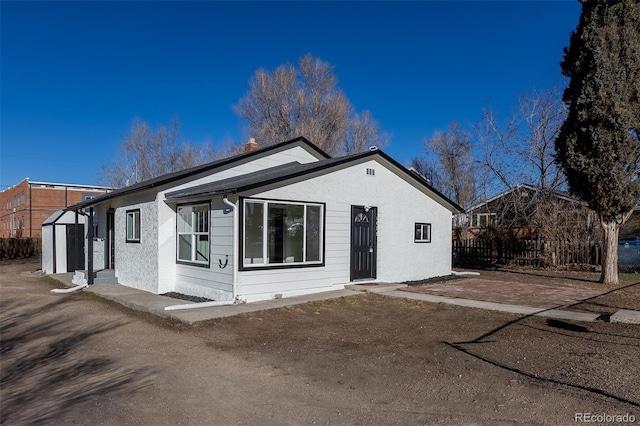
(25, 206)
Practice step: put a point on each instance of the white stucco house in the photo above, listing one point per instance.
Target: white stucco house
(280, 221)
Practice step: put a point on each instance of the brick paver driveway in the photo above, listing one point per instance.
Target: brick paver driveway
(512, 293)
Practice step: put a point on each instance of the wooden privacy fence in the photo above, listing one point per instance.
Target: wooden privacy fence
(13, 248)
(532, 253)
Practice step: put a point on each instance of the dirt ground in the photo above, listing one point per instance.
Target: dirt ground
(363, 360)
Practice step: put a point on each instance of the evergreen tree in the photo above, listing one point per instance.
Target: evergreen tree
(599, 142)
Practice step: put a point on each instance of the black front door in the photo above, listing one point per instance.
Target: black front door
(363, 242)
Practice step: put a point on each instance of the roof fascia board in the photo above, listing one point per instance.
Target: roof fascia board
(396, 167)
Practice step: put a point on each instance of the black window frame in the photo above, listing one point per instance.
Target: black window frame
(285, 265)
(138, 222)
(422, 226)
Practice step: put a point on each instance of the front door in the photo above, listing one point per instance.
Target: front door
(363, 242)
(111, 246)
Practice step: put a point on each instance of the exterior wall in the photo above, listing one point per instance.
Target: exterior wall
(99, 239)
(61, 248)
(14, 212)
(34, 202)
(399, 206)
(215, 281)
(136, 264)
(47, 249)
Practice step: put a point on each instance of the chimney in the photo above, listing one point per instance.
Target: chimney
(251, 145)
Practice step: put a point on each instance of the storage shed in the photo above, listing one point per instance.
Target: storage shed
(63, 237)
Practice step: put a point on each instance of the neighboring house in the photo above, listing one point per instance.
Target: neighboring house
(631, 228)
(526, 211)
(276, 222)
(25, 206)
(526, 207)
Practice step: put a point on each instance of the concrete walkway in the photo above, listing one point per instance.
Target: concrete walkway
(155, 304)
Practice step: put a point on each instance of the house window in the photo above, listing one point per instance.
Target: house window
(133, 226)
(422, 233)
(277, 233)
(483, 220)
(193, 234)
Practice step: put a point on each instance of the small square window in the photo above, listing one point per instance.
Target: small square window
(422, 233)
(133, 226)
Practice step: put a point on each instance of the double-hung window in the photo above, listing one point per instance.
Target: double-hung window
(193, 234)
(422, 233)
(133, 226)
(279, 233)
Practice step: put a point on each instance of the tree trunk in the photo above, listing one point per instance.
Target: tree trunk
(609, 273)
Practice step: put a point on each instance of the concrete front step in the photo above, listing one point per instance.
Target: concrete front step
(104, 276)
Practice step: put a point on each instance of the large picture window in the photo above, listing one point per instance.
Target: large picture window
(278, 233)
(193, 234)
(133, 226)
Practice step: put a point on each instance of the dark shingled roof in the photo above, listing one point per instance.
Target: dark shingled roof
(289, 171)
(260, 178)
(172, 177)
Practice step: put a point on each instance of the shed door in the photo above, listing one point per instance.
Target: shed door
(363, 242)
(75, 247)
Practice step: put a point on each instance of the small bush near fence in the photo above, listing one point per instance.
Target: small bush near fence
(529, 253)
(14, 248)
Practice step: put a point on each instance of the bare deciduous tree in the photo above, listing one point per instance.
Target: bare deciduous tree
(521, 149)
(305, 101)
(453, 164)
(146, 153)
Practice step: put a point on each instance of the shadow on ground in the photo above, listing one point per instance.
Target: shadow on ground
(598, 358)
(45, 371)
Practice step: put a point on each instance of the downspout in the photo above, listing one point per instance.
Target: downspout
(464, 273)
(234, 284)
(69, 290)
(236, 232)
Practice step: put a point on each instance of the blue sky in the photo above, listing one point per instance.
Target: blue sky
(74, 75)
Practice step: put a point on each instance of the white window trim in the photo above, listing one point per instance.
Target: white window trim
(193, 235)
(265, 241)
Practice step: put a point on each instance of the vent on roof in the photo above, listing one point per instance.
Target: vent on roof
(371, 172)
